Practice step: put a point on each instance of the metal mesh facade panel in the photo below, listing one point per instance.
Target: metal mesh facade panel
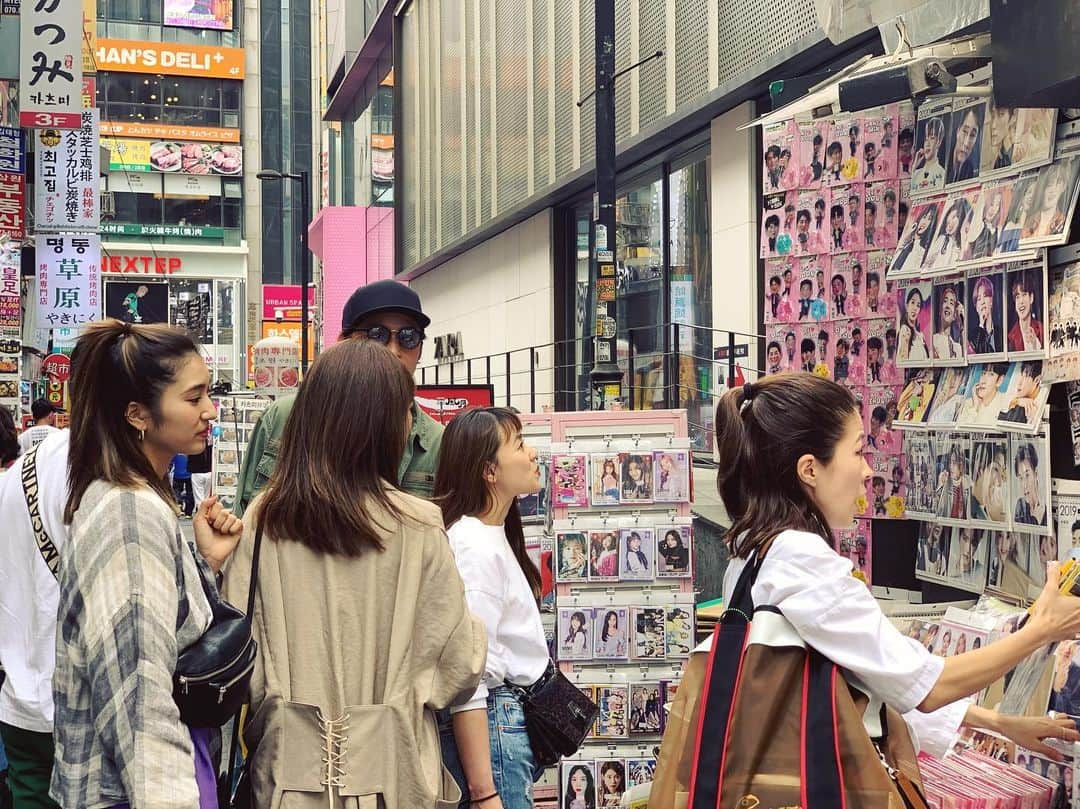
(512, 131)
(410, 139)
(751, 31)
(652, 98)
(587, 66)
(564, 89)
(470, 130)
(541, 85)
(486, 47)
(623, 58)
(691, 50)
(452, 70)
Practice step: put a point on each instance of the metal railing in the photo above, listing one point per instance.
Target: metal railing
(554, 375)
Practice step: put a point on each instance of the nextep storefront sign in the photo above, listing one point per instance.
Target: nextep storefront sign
(170, 59)
(142, 265)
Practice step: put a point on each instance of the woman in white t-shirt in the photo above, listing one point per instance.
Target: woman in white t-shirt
(484, 466)
(792, 466)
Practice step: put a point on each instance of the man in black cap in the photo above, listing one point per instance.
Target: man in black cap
(389, 313)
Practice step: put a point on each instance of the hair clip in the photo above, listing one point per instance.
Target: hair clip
(748, 397)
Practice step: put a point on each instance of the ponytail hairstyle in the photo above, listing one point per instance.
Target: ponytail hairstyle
(469, 446)
(113, 365)
(762, 429)
(9, 439)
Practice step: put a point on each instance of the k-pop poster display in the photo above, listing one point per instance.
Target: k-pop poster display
(846, 369)
(928, 174)
(578, 785)
(637, 551)
(849, 232)
(986, 338)
(603, 556)
(611, 783)
(1026, 295)
(932, 552)
(812, 136)
(983, 235)
(1063, 322)
(1029, 483)
(648, 640)
(679, 630)
(913, 248)
(950, 336)
(880, 218)
(843, 154)
(571, 556)
(949, 396)
(886, 491)
(952, 453)
(985, 397)
(637, 477)
(606, 479)
(610, 633)
(645, 707)
(880, 293)
(880, 408)
(915, 397)
(1047, 218)
(1025, 398)
(914, 331)
(967, 122)
(779, 295)
(574, 632)
(675, 547)
(967, 560)
(905, 142)
(990, 503)
(1017, 139)
(947, 247)
(778, 224)
(612, 722)
(780, 164)
(811, 222)
(671, 476)
(570, 480)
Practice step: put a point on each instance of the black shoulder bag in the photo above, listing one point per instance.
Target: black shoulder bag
(558, 715)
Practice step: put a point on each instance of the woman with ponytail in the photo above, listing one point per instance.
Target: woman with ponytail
(131, 589)
(791, 467)
(484, 466)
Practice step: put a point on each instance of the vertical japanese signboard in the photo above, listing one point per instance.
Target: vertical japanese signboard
(10, 308)
(67, 184)
(50, 64)
(68, 279)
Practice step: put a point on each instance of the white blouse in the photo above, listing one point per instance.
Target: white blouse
(836, 614)
(498, 594)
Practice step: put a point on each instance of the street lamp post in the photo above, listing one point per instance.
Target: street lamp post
(305, 256)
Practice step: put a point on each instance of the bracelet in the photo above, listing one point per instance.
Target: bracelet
(475, 801)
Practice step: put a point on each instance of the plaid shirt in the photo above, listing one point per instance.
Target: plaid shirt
(130, 600)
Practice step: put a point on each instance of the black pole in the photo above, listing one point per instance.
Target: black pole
(509, 401)
(630, 367)
(606, 378)
(532, 380)
(731, 359)
(305, 271)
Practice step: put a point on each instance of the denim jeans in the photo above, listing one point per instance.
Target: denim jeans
(512, 763)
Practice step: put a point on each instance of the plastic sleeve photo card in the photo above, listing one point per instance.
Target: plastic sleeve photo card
(846, 369)
(1029, 483)
(985, 397)
(1016, 138)
(953, 230)
(1063, 319)
(931, 147)
(915, 397)
(606, 478)
(881, 350)
(967, 123)
(815, 349)
(779, 295)
(880, 296)
(967, 562)
(612, 722)
(1025, 398)
(1025, 294)
(778, 224)
(645, 708)
(949, 339)
(810, 300)
(914, 248)
(852, 200)
(990, 503)
(1054, 202)
(844, 299)
(914, 331)
(604, 555)
(952, 477)
(986, 315)
(949, 396)
(637, 551)
(610, 783)
(780, 161)
(571, 556)
(844, 151)
(856, 544)
(880, 408)
(987, 227)
(811, 236)
(920, 476)
(1009, 565)
(675, 547)
(570, 480)
(880, 215)
(671, 476)
(636, 477)
(905, 140)
(574, 633)
(812, 134)
(611, 633)
(932, 552)
(680, 631)
(648, 639)
(578, 785)
(781, 349)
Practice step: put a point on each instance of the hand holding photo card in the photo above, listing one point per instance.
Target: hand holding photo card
(574, 633)
(986, 315)
(674, 551)
(644, 709)
(603, 556)
(1055, 200)
(931, 137)
(913, 247)
(578, 785)
(610, 633)
(780, 166)
(967, 565)
(914, 332)
(611, 784)
(932, 557)
(950, 336)
(915, 397)
(571, 556)
(613, 721)
(606, 479)
(905, 141)
(1029, 483)
(990, 505)
(812, 136)
(636, 477)
(570, 480)
(946, 249)
(985, 394)
(1025, 294)
(649, 642)
(779, 276)
(952, 493)
(637, 549)
(880, 217)
(921, 463)
(679, 632)
(1026, 398)
(965, 142)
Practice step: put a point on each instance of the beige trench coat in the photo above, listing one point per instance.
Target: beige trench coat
(355, 656)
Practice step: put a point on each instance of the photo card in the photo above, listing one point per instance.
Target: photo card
(570, 479)
(1025, 295)
(671, 476)
(811, 222)
(637, 548)
(571, 556)
(990, 503)
(610, 632)
(928, 174)
(779, 295)
(649, 641)
(645, 708)
(886, 491)
(534, 507)
(967, 124)
(913, 249)
(611, 783)
(950, 336)
(1025, 398)
(679, 631)
(613, 721)
(905, 142)
(880, 215)
(849, 200)
(604, 555)
(574, 632)
(578, 784)
(948, 397)
(843, 152)
(983, 237)
(781, 351)
(1029, 483)
(780, 167)
(1055, 200)
(985, 397)
(778, 224)
(637, 477)
(606, 478)
(915, 397)
(1017, 138)
(881, 350)
(880, 409)
(879, 144)
(967, 559)
(675, 549)
(932, 553)
(986, 315)
(914, 326)
(847, 369)
(952, 477)
(880, 294)
(811, 302)
(812, 135)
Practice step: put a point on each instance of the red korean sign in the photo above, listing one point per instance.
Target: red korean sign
(443, 402)
(13, 205)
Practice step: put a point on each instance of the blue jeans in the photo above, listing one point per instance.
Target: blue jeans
(512, 762)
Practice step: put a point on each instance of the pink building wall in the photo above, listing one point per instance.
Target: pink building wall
(355, 246)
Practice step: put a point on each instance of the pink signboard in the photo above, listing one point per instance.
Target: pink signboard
(286, 299)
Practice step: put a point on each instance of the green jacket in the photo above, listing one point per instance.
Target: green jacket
(416, 474)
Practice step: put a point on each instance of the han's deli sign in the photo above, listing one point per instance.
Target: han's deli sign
(170, 59)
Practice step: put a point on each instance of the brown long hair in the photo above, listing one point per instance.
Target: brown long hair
(114, 364)
(785, 417)
(469, 445)
(340, 452)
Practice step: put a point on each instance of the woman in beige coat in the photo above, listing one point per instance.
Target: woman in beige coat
(359, 613)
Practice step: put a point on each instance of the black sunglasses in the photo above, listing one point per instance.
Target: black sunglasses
(408, 337)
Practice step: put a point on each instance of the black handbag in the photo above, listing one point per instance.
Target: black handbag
(213, 674)
(558, 716)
